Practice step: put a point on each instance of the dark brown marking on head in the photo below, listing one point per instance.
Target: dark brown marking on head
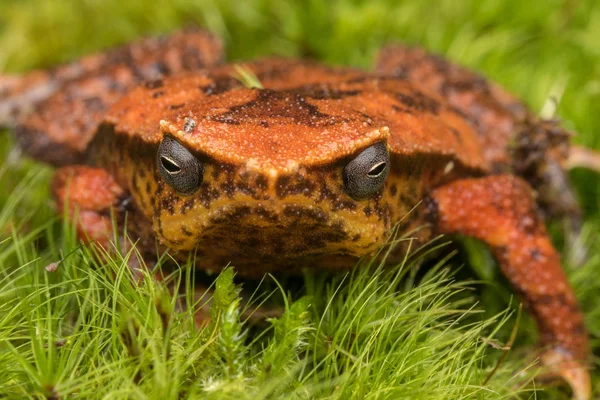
(326, 93)
(407, 199)
(393, 189)
(267, 103)
(175, 106)
(157, 94)
(339, 234)
(367, 211)
(420, 102)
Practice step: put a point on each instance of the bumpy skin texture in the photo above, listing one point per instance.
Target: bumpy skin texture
(500, 211)
(513, 139)
(272, 197)
(308, 114)
(88, 195)
(273, 194)
(56, 112)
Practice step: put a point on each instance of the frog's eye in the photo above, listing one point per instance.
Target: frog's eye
(366, 173)
(178, 167)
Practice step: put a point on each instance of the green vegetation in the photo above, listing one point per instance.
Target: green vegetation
(87, 331)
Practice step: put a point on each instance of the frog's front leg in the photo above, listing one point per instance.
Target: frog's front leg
(90, 196)
(92, 199)
(501, 211)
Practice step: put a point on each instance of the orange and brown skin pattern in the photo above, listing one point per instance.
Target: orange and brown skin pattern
(272, 197)
(514, 139)
(55, 113)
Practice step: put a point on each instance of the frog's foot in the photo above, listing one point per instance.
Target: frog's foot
(87, 196)
(500, 210)
(559, 364)
(96, 203)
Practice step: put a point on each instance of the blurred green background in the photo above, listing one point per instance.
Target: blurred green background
(545, 52)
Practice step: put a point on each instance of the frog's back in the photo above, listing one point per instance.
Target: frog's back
(55, 112)
(305, 114)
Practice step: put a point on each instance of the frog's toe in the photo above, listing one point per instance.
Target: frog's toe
(559, 364)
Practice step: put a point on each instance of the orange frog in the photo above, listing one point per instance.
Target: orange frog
(313, 168)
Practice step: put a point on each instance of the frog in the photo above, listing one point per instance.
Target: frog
(313, 166)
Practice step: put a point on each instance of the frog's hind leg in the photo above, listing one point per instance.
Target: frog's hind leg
(55, 112)
(500, 211)
(513, 139)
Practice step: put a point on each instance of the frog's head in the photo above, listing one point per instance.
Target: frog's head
(272, 179)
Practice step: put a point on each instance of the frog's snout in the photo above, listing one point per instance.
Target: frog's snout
(238, 217)
(287, 230)
(273, 233)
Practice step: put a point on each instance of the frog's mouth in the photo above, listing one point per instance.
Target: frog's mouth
(279, 236)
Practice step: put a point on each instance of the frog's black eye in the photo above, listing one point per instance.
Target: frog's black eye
(178, 167)
(366, 173)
